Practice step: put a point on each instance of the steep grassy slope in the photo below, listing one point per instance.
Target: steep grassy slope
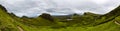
(109, 16)
(115, 12)
(6, 22)
(45, 22)
(90, 19)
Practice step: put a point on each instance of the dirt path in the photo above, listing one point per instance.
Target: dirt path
(20, 28)
(117, 22)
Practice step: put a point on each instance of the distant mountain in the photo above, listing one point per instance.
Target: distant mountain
(45, 22)
(47, 16)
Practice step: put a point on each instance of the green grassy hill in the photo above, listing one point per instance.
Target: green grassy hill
(45, 22)
(6, 21)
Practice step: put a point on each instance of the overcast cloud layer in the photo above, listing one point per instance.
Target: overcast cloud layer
(33, 8)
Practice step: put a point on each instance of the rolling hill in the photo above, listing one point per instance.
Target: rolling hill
(45, 22)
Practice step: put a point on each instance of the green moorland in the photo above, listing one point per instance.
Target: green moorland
(46, 22)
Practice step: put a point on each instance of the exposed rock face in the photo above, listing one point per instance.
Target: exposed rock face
(47, 16)
(3, 8)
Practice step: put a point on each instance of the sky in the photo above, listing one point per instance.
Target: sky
(32, 8)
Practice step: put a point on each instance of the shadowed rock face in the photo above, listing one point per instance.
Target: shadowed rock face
(3, 8)
(47, 16)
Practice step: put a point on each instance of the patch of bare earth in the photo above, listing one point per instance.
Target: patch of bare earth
(20, 28)
(116, 22)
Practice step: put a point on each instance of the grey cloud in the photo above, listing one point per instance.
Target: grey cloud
(57, 7)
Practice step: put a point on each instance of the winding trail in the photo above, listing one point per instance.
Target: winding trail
(118, 23)
(20, 28)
